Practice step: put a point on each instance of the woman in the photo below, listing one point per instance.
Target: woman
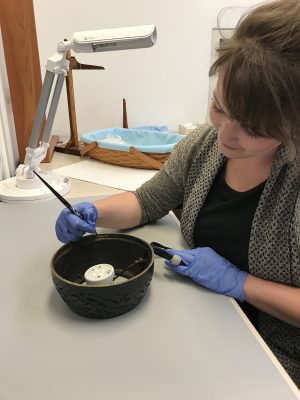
(237, 181)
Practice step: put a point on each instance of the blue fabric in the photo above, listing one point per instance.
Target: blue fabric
(156, 140)
(161, 128)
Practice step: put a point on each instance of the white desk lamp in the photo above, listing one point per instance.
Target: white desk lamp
(25, 185)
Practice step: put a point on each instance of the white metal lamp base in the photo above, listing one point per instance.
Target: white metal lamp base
(33, 189)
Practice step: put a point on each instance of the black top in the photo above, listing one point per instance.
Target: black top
(224, 224)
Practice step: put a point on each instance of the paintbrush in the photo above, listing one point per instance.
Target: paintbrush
(60, 197)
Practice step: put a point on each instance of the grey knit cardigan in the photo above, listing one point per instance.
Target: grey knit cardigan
(274, 248)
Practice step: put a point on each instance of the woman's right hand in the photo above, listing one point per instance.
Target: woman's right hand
(70, 228)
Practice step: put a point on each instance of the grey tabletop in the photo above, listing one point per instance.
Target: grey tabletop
(182, 341)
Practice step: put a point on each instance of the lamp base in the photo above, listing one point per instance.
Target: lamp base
(10, 193)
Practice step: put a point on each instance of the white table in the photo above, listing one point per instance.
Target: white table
(181, 342)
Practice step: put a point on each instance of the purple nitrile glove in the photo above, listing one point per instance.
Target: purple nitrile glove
(209, 269)
(70, 228)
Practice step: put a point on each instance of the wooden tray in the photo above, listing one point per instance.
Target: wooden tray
(133, 158)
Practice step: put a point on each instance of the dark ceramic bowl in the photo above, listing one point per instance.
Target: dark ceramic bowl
(70, 262)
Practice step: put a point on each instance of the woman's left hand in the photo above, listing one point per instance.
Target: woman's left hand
(209, 269)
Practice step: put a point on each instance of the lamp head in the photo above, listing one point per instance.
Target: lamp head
(134, 37)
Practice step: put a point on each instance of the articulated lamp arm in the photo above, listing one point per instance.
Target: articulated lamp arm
(58, 66)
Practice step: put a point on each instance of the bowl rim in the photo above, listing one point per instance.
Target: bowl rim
(88, 237)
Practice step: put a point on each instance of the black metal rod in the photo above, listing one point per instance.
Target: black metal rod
(136, 262)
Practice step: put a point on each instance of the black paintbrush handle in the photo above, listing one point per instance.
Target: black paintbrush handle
(59, 196)
(162, 253)
(160, 250)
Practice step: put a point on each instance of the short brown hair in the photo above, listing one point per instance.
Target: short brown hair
(260, 66)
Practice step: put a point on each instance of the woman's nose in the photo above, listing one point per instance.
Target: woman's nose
(227, 130)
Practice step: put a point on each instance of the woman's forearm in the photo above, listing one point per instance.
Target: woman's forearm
(281, 301)
(121, 211)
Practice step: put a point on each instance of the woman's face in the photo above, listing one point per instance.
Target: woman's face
(233, 140)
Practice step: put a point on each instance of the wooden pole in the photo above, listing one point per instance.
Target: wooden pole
(23, 65)
(125, 121)
(73, 142)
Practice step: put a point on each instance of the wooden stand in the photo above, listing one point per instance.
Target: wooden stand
(73, 146)
(52, 143)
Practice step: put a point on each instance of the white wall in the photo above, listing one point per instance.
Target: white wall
(166, 84)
